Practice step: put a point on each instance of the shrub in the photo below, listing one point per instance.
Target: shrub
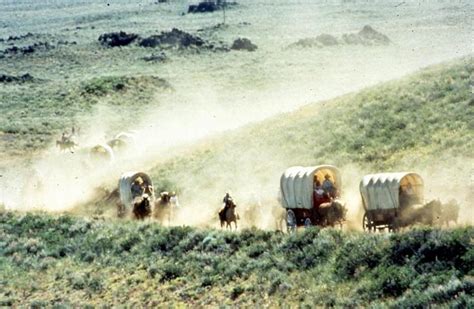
(36, 304)
(390, 281)
(77, 281)
(255, 250)
(128, 242)
(428, 249)
(455, 293)
(236, 292)
(170, 271)
(152, 271)
(359, 254)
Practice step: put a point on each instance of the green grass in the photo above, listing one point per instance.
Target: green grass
(36, 112)
(52, 260)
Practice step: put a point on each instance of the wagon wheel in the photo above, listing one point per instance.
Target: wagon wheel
(290, 221)
(308, 223)
(393, 227)
(367, 224)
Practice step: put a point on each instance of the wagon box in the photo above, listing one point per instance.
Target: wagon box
(125, 188)
(385, 196)
(297, 188)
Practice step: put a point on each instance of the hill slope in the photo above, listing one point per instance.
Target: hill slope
(68, 261)
(424, 122)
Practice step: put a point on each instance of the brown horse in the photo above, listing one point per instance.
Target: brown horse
(142, 207)
(163, 209)
(427, 214)
(450, 212)
(227, 215)
(66, 145)
(332, 213)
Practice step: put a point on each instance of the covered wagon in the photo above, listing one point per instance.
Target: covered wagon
(133, 187)
(310, 196)
(101, 153)
(122, 142)
(386, 197)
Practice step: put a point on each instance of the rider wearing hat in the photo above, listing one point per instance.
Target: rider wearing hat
(137, 187)
(328, 186)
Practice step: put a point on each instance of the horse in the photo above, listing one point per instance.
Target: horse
(227, 215)
(450, 212)
(427, 214)
(66, 145)
(162, 207)
(332, 213)
(142, 207)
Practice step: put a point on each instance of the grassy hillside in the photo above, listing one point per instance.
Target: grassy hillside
(57, 44)
(423, 120)
(35, 111)
(48, 260)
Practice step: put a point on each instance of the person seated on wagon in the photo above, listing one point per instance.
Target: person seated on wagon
(174, 200)
(137, 187)
(407, 196)
(328, 186)
(320, 196)
(316, 182)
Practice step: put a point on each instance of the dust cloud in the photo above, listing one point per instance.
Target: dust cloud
(213, 97)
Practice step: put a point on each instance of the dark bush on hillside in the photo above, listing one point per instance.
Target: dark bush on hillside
(173, 39)
(308, 249)
(236, 292)
(432, 250)
(298, 241)
(390, 281)
(454, 294)
(19, 37)
(101, 86)
(369, 36)
(128, 242)
(170, 271)
(243, 44)
(115, 39)
(192, 240)
(202, 7)
(359, 255)
(327, 39)
(29, 49)
(15, 79)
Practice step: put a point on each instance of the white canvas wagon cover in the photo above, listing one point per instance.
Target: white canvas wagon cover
(382, 191)
(125, 186)
(296, 184)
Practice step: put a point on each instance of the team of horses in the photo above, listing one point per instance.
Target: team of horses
(160, 209)
(432, 213)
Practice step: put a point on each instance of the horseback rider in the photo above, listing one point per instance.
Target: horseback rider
(227, 199)
(64, 138)
(225, 214)
(228, 202)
